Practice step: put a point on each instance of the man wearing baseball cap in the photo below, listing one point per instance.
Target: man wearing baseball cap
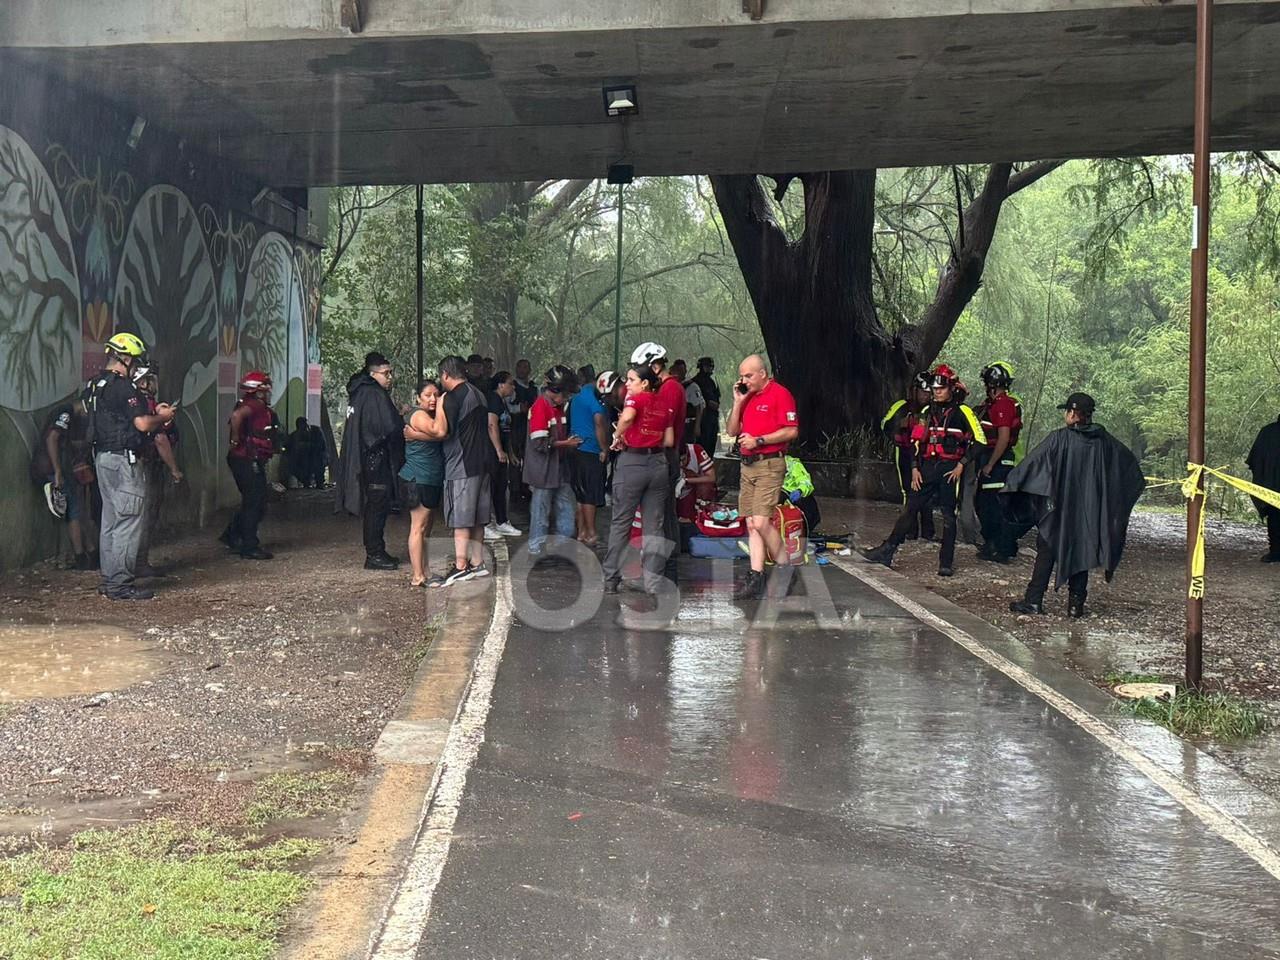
(1080, 485)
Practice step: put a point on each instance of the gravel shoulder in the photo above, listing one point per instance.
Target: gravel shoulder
(237, 670)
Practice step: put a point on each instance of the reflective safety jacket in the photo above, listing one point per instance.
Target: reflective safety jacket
(945, 433)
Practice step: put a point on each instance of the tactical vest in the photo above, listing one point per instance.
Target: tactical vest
(256, 440)
(109, 432)
(943, 434)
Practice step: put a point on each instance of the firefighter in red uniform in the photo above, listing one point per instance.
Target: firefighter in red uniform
(941, 442)
(1001, 419)
(897, 425)
(252, 444)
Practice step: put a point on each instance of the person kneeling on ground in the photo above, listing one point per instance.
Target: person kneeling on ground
(942, 439)
(1083, 484)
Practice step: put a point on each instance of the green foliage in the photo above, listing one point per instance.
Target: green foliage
(1196, 715)
(154, 891)
(288, 796)
(864, 443)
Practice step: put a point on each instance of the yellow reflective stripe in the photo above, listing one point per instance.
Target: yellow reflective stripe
(979, 436)
(893, 412)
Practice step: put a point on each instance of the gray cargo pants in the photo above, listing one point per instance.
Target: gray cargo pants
(639, 480)
(124, 493)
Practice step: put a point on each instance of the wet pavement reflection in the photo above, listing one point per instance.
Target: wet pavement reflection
(724, 790)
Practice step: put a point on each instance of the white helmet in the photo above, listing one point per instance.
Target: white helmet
(646, 353)
(606, 382)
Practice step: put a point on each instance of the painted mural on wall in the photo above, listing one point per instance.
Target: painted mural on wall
(86, 252)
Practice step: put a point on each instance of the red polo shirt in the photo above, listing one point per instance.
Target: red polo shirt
(768, 411)
(651, 422)
(671, 395)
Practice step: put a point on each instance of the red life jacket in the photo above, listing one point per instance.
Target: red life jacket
(255, 440)
(943, 433)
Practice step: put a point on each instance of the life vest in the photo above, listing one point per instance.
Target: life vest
(983, 412)
(946, 432)
(256, 440)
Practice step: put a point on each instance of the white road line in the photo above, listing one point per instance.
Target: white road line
(406, 922)
(1219, 821)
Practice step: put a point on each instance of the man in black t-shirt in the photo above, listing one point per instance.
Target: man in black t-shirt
(709, 432)
(468, 459)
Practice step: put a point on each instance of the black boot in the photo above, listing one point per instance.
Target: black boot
(752, 587)
(1027, 605)
(1075, 606)
(882, 554)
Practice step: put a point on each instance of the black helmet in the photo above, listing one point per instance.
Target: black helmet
(998, 374)
(921, 380)
(561, 378)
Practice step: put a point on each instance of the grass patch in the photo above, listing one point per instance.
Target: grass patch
(1115, 679)
(1190, 714)
(158, 891)
(289, 796)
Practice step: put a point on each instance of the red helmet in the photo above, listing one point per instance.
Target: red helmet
(255, 380)
(943, 376)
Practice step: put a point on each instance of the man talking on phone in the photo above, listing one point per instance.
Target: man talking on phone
(764, 420)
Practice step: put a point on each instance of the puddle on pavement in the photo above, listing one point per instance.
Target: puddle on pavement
(1095, 652)
(64, 659)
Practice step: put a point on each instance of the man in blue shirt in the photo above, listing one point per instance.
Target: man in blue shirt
(588, 420)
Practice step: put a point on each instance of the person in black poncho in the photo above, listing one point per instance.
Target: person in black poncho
(1080, 484)
(372, 454)
(1264, 461)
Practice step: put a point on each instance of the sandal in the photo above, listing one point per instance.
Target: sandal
(434, 582)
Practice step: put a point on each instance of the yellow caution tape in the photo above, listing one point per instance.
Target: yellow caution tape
(1192, 486)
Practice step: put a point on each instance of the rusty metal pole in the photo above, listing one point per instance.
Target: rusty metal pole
(1199, 315)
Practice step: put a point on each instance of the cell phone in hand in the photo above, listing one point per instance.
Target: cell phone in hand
(742, 388)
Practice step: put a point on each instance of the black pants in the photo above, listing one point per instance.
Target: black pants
(499, 490)
(935, 490)
(710, 432)
(377, 492)
(1077, 585)
(923, 528)
(251, 480)
(990, 506)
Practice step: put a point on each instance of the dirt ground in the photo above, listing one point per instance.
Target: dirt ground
(1135, 623)
(111, 712)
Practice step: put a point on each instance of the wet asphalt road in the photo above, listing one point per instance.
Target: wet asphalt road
(724, 791)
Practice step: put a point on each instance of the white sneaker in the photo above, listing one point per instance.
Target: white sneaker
(507, 530)
(477, 571)
(491, 533)
(458, 576)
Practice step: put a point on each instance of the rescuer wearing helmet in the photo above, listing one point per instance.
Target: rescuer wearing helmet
(120, 424)
(1001, 419)
(251, 444)
(671, 395)
(897, 425)
(940, 443)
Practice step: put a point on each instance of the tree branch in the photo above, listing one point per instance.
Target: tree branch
(1029, 175)
(562, 201)
(603, 295)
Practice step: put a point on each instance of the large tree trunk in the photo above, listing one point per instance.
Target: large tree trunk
(814, 296)
(495, 287)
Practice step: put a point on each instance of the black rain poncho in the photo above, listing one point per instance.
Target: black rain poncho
(1264, 461)
(1080, 484)
(373, 427)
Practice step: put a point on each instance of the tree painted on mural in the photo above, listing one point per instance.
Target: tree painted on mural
(39, 302)
(165, 291)
(229, 246)
(271, 333)
(97, 206)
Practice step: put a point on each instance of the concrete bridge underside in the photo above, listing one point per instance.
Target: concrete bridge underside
(450, 90)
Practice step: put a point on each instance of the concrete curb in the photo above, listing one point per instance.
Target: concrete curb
(343, 915)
